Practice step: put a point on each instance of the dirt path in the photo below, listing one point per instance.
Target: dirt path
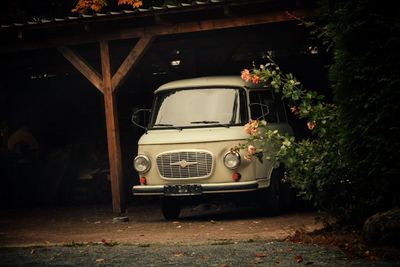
(145, 226)
(216, 236)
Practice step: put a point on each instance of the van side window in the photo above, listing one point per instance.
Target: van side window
(264, 106)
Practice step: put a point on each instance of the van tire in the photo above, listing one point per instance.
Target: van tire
(269, 198)
(273, 198)
(170, 207)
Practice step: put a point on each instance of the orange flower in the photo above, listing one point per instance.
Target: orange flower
(133, 3)
(84, 6)
(247, 157)
(251, 127)
(137, 4)
(311, 125)
(245, 74)
(96, 7)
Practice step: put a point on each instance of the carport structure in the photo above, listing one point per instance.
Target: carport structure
(142, 28)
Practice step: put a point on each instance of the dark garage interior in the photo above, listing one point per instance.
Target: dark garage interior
(54, 142)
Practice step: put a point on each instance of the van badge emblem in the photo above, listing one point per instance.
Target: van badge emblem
(183, 163)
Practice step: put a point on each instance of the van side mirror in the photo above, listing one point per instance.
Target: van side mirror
(140, 117)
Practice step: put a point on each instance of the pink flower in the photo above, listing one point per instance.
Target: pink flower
(255, 79)
(294, 110)
(251, 149)
(245, 74)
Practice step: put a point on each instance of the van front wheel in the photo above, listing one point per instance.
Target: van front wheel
(170, 207)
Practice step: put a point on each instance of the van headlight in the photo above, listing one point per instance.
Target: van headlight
(141, 163)
(232, 160)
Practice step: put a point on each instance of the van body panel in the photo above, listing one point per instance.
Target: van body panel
(218, 174)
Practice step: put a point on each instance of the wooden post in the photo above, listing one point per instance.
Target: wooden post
(114, 148)
(107, 84)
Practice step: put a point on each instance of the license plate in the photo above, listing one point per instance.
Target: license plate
(182, 190)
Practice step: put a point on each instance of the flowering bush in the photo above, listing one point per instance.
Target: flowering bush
(313, 166)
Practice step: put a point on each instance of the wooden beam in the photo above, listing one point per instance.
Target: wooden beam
(175, 28)
(131, 60)
(83, 67)
(114, 149)
(214, 24)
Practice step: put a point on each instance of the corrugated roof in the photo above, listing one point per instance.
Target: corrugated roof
(138, 12)
(155, 21)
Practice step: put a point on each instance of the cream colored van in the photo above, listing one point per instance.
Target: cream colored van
(194, 124)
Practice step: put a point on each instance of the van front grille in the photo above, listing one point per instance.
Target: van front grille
(185, 164)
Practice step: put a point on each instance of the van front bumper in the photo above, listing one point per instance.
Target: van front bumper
(193, 189)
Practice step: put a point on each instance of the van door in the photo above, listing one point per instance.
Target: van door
(264, 106)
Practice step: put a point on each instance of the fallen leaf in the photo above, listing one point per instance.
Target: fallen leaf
(178, 254)
(258, 261)
(108, 243)
(261, 255)
(373, 258)
(99, 261)
(299, 259)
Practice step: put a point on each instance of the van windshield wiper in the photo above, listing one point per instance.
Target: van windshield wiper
(167, 125)
(163, 124)
(210, 122)
(204, 122)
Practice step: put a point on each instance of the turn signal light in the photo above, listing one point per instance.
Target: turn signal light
(236, 176)
(143, 180)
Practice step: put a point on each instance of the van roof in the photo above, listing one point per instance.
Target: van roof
(235, 81)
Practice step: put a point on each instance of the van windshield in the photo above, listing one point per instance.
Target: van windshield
(199, 107)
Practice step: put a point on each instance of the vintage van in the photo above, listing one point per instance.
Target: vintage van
(186, 150)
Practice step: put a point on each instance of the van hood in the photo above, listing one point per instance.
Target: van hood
(193, 135)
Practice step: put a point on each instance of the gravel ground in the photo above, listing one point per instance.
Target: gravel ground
(221, 254)
(213, 236)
